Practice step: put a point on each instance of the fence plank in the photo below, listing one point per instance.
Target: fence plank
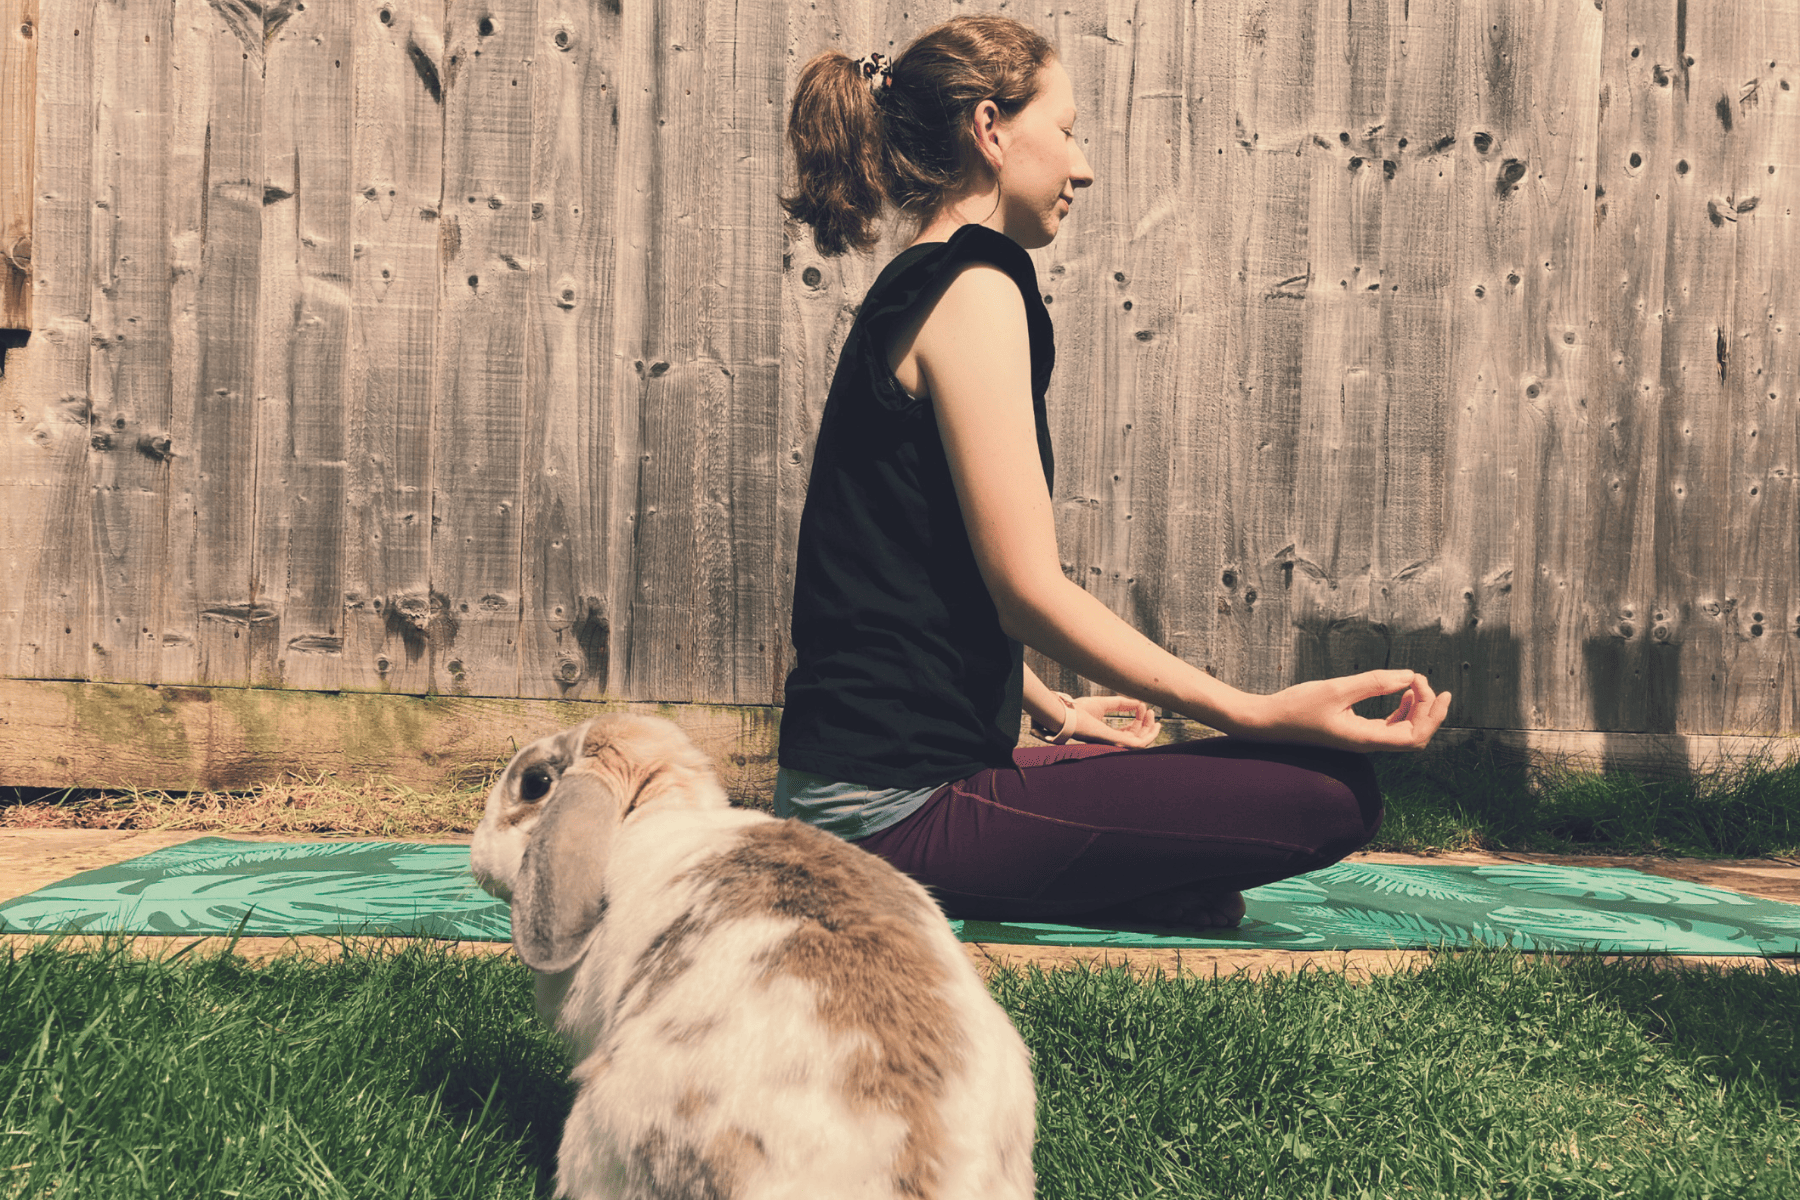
(1492, 234)
(566, 638)
(1626, 647)
(232, 616)
(186, 204)
(478, 425)
(673, 386)
(303, 363)
(1555, 545)
(1342, 404)
(1272, 282)
(1207, 333)
(18, 113)
(398, 178)
(129, 372)
(736, 535)
(1413, 153)
(56, 587)
(1115, 365)
(1699, 288)
(1761, 374)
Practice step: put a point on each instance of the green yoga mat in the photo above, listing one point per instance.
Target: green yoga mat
(218, 886)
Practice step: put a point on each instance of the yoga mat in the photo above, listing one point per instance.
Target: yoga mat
(207, 886)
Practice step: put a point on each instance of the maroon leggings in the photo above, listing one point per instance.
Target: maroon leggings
(1075, 829)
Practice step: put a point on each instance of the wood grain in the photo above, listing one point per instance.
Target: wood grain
(571, 541)
(18, 115)
(301, 488)
(56, 587)
(1762, 370)
(191, 738)
(1699, 290)
(1272, 282)
(234, 612)
(1420, 247)
(740, 308)
(398, 178)
(478, 431)
(129, 370)
(1558, 351)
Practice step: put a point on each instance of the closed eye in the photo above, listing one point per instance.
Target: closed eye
(534, 783)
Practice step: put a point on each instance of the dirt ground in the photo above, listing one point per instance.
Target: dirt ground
(31, 858)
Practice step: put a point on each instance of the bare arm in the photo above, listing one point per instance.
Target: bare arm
(972, 354)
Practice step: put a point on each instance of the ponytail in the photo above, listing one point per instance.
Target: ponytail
(906, 141)
(835, 130)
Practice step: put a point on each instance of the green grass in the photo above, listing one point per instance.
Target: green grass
(420, 1072)
(1463, 798)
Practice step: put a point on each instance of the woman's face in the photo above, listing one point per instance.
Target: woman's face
(1041, 161)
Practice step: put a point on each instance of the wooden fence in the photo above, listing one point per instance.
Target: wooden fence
(395, 345)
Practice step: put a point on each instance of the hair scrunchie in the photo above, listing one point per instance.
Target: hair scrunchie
(878, 71)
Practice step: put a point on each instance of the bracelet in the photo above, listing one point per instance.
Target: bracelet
(1068, 725)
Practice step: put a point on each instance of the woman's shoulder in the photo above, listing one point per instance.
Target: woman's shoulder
(927, 268)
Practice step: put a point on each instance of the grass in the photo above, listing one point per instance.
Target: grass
(421, 1072)
(322, 804)
(1463, 798)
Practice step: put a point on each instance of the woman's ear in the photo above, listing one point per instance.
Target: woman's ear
(984, 130)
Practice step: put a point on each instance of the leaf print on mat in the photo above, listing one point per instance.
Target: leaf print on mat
(1378, 929)
(1298, 890)
(1423, 883)
(1596, 929)
(348, 857)
(1781, 921)
(1608, 883)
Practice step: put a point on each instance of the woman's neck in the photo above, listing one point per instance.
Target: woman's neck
(978, 206)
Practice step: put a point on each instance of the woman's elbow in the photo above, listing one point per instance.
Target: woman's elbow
(1026, 612)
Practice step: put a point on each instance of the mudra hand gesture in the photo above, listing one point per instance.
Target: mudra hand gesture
(1320, 713)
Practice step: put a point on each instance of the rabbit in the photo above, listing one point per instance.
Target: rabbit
(756, 1008)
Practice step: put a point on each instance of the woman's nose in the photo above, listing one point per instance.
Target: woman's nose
(1080, 174)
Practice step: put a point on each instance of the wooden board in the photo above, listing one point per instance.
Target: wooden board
(18, 114)
(234, 624)
(303, 376)
(52, 564)
(191, 738)
(478, 426)
(572, 541)
(1762, 374)
(398, 180)
(130, 438)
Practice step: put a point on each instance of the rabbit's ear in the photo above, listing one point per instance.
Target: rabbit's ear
(561, 890)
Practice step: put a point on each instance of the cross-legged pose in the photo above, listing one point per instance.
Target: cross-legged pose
(928, 560)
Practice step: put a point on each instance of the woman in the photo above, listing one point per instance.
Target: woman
(927, 552)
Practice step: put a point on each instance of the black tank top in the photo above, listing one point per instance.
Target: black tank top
(903, 677)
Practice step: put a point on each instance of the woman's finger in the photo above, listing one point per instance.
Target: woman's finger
(1370, 684)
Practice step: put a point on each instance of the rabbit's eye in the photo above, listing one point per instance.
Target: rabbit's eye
(534, 783)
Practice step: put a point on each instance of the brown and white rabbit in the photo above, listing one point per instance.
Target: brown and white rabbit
(757, 1009)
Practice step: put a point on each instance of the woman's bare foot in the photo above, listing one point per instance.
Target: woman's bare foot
(1191, 907)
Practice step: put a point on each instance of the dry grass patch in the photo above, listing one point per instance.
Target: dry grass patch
(326, 804)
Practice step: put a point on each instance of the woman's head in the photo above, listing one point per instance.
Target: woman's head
(912, 139)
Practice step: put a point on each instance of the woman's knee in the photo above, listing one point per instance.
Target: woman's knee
(1355, 793)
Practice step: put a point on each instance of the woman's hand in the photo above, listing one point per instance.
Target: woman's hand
(1091, 724)
(1319, 713)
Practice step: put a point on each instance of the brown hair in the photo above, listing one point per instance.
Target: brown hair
(856, 150)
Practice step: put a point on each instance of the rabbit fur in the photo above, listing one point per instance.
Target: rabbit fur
(756, 1008)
